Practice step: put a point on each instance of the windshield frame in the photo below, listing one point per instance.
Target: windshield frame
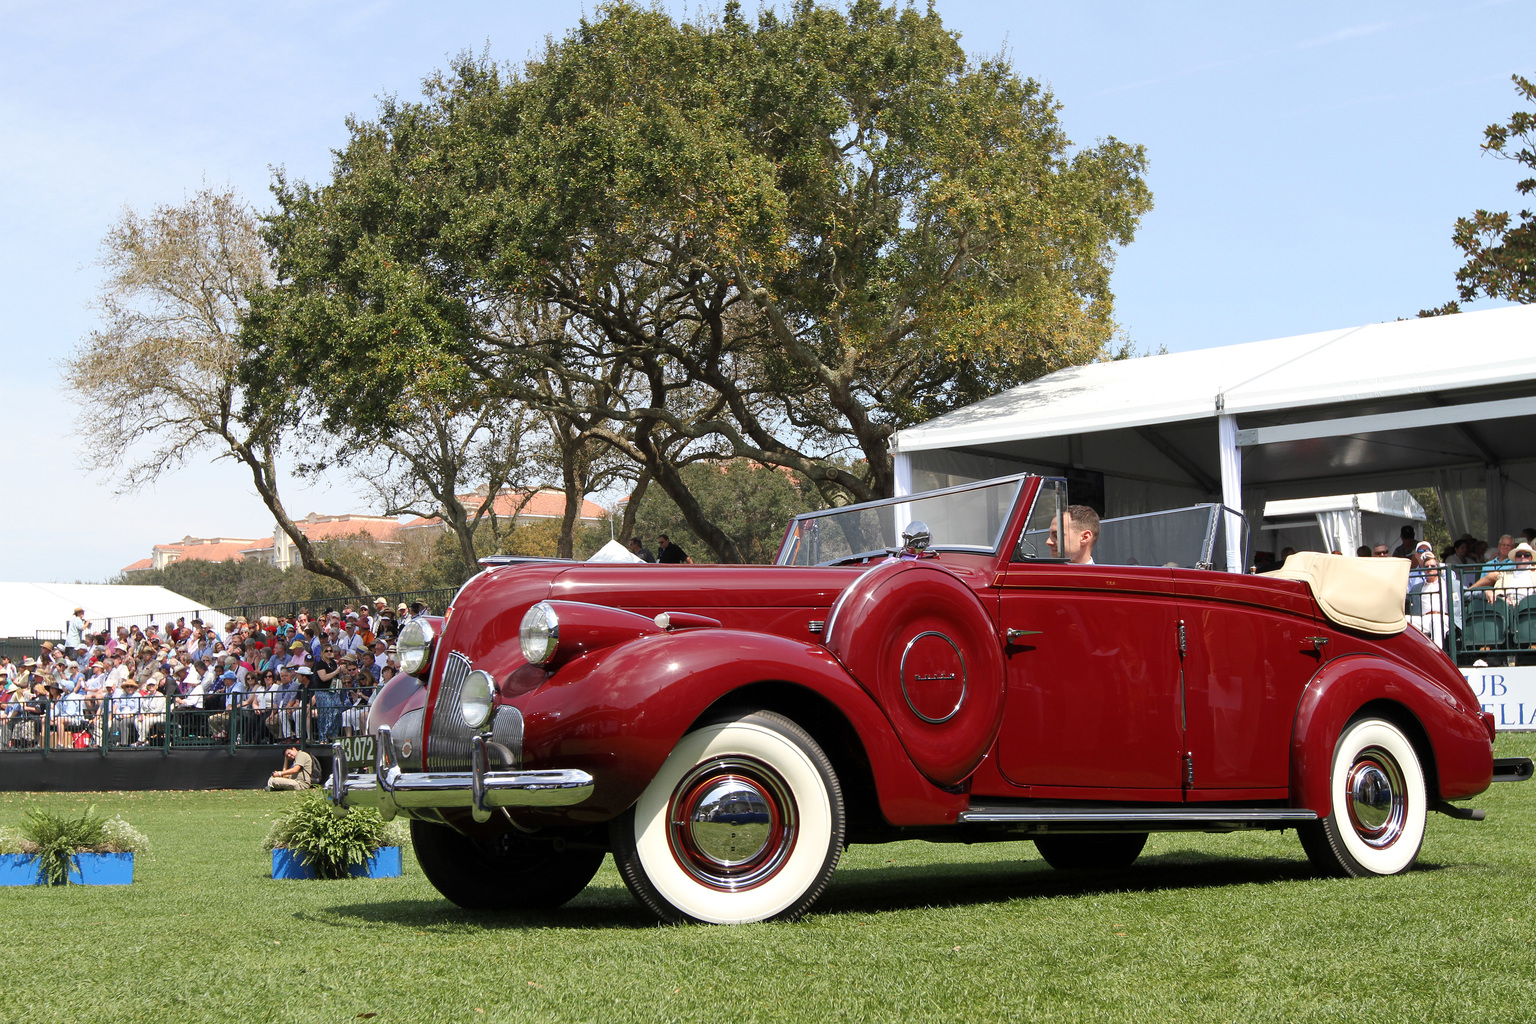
(1005, 534)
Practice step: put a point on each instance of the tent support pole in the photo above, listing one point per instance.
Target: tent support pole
(1231, 486)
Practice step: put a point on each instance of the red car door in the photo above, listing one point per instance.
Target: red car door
(1248, 655)
(1092, 671)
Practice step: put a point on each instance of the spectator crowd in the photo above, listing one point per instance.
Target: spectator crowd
(1443, 586)
(268, 680)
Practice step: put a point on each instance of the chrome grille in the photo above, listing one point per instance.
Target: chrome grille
(449, 746)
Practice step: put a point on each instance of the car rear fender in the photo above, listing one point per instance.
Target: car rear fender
(1451, 738)
(617, 713)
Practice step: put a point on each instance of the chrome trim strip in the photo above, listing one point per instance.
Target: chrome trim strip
(1175, 817)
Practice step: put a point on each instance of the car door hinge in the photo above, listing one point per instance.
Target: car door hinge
(1189, 771)
(1183, 639)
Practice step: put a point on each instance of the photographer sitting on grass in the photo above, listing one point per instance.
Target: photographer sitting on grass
(298, 771)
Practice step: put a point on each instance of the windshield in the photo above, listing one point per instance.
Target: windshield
(971, 517)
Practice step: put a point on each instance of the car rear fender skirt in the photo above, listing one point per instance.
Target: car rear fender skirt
(1452, 739)
(619, 713)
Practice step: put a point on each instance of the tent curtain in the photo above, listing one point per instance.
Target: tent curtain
(1341, 530)
(1463, 498)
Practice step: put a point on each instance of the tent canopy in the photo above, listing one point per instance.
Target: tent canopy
(1448, 402)
(41, 609)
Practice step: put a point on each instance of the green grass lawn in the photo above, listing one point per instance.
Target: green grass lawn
(1205, 928)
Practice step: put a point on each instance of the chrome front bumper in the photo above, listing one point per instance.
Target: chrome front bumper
(389, 790)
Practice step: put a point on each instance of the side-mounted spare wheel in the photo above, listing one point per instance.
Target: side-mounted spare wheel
(1376, 785)
(508, 871)
(744, 822)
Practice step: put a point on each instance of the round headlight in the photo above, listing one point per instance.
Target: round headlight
(475, 698)
(539, 633)
(414, 643)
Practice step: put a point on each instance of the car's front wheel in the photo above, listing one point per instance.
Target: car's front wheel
(1376, 826)
(1095, 852)
(744, 822)
(509, 871)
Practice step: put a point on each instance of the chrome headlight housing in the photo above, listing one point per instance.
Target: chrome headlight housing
(414, 644)
(539, 633)
(475, 698)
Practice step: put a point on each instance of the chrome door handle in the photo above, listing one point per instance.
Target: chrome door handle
(1015, 635)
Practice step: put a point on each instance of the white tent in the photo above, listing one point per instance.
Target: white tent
(40, 610)
(1339, 522)
(1448, 402)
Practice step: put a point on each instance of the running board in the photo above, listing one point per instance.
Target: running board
(1139, 818)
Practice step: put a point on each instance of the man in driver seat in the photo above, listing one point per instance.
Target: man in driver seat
(1080, 528)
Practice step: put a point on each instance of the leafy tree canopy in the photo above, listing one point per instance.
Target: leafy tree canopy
(1501, 248)
(781, 240)
(751, 503)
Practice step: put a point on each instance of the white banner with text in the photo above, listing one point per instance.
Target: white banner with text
(1508, 693)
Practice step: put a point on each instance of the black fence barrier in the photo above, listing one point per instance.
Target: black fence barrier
(18, 647)
(177, 768)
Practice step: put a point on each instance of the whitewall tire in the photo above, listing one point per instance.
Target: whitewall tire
(744, 822)
(1380, 804)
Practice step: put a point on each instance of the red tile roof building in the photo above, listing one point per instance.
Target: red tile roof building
(523, 507)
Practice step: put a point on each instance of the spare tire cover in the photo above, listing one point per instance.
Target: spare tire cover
(921, 642)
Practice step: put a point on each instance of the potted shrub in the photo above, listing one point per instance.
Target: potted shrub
(312, 842)
(50, 848)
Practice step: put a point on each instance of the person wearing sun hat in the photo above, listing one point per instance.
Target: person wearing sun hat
(1512, 585)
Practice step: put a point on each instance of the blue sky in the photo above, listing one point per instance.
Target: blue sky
(1307, 159)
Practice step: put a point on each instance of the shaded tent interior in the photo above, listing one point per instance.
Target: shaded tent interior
(1445, 402)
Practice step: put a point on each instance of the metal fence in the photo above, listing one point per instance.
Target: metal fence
(18, 647)
(1478, 613)
(169, 721)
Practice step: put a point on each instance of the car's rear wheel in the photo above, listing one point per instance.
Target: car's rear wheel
(1110, 851)
(509, 871)
(1376, 826)
(744, 822)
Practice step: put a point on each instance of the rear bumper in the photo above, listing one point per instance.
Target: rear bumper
(1511, 769)
(389, 790)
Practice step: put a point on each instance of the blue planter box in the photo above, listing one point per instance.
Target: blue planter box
(87, 869)
(289, 864)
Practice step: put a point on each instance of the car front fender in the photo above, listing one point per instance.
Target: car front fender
(617, 714)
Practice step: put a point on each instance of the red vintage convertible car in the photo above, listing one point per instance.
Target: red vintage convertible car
(923, 667)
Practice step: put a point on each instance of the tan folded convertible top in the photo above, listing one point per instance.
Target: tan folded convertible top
(1362, 593)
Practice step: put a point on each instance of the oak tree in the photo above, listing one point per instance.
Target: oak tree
(779, 240)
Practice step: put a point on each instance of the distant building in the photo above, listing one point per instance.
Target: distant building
(520, 507)
(279, 549)
(276, 550)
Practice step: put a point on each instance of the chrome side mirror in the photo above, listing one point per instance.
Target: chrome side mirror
(915, 538)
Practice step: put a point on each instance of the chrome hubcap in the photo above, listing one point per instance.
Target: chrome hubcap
(731, 823)
(1378, 805)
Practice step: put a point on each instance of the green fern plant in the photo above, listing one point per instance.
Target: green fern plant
(57, 840)
(330, 844)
